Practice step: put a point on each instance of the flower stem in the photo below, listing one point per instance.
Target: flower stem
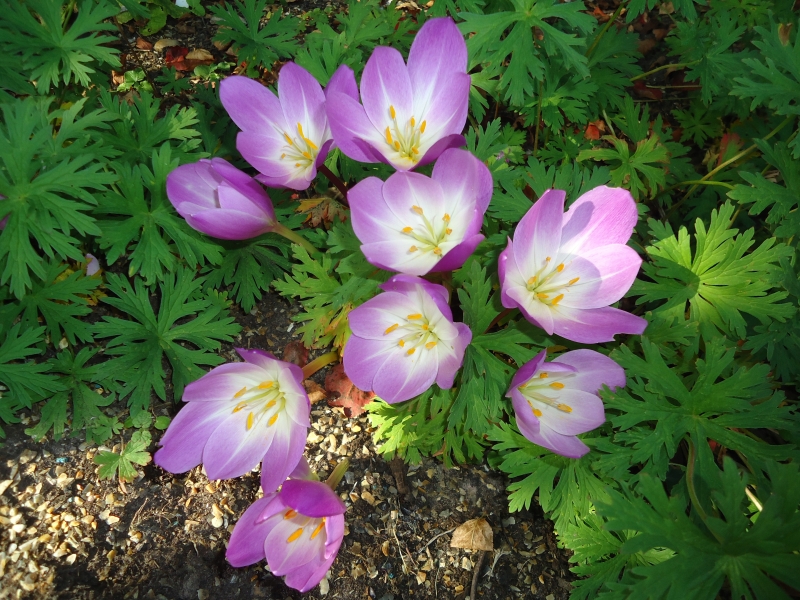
(319, 362)
(294, 238)
(609, 23)
(337, 474)
(503, 314)
(693, 492)
(662, 67)
(336, 181)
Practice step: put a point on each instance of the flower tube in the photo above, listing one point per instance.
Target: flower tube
(286, 137)
(563, 270)
(405, 339)
(298, 530)
(237, 415)
(555, 401)
(415, 224)
(409, 114)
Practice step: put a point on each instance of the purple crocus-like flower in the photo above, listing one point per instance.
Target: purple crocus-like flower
(405, 339)
(220, 200)
(298, 530)
(410, 114)
(555, 401)
(563, 270)
(286, 137)
(237, 415)
(416, 224)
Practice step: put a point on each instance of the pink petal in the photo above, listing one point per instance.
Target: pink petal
(456, 257)
(283, 556)
(464, 176)
(455, 140)
(527, 423)
(565, 445)
(538, 234)
(334, 529)
(599, 217)
(229, 224)
(233, 449)
(384, 84)
(402, 376)
(251, 105)
(450, 363)
(587, 412)
(222, 382)
(534, 310)
(352, 130)
(446, 112)
(526, 371)
(371, 319)
(303, 102)
(363, 358)
(343, 81)
(195, 184)
(308, 576)
(592, 370)
(246, 546)
(594, 325)
(281, 459)
(370, 214)
(311, 498)
(182, 444)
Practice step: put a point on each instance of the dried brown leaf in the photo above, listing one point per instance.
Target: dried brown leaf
(475, 534)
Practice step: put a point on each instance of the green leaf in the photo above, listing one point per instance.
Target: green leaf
(140, 344)
(721, 281)
(134, 452)
(474, 298)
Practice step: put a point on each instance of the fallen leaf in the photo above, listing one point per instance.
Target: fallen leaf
(314, 390)
(322, 210)
(117, 77)
(475, 534)
(174, 57)
(185, 28)
(200, 54)
(666, 8)
(143, 44)
(646, 45)
(342, 392)
(296, 353)
(642, 91)
(784, 31)
(592, 132)
(165, 43)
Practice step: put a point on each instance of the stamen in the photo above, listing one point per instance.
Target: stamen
(422, 126)
(532, 280)
(272, 420)
(389, 137)
(312, 144)
(557, 385)
(425, 328)
(437, 251)
(288, 139)
(560, 267)
(537, 412)
(307, 155)
(414, 317)
(564, 408)
(283, 155)
(430, 345)
(239, 406)
(417, 209)
(542, 296)
(241, 392)
(392, 111)
(319, 528)
(557, 299)
(412, 249)
(290, 514)
(401, 343)
(448, 231)
(396, 145)
(391, 328)
(269, 404)
(250, 418)
(294, 536)
(297, 165)
(413, 121)
(574, 281)
(446, 218)
(414, 149)
(411, 351)
(408, 229)
(300, 130)
(548, 259)
(265, 385)
(543, 375)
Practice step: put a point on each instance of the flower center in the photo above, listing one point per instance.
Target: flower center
(302, 152)
(542, 286)
(417, 331)
(264, 399)
(404, 139)
(316, 526)
(536, 388)
(430, 235)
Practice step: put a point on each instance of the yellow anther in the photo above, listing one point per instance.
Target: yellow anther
(537, 412)
(239, 406)
(319, 528)
(307, 155)
(411, 351)
(312, 144)
(272, 420)
(396, 145)
(430, 345)
(437, 251)
(265, 385)
(417, 209)
(389, 137)
(241, 392)
(564, 408)
(300, 130)
(283, 155)
(401, 343)
(425, 328)
(557, 299)
(269, 404)
(288, 139)
(448, 231)
(532, 280)
(290, 514)
(295, 535)
(413, 121)
(574, 281)
(412, 249)
(414, 149)
(543, 375)
(391, 328)
(560, 267)
(548, 259)
(414, 317)
(557, 385)
(408, 229)
(422, 126)
(297, 165)
(392, 111)
(542, 296)
(446, 218)
(250, 419)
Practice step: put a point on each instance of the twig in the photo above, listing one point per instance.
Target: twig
(473, 592)
(336, 181)
(434, 538)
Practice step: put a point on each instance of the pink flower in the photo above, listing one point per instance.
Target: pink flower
(555, 401)
(563, 270)
(415, 224)
(220, 200)
(405, 339)
(237, 415)
(410, 114)
(285, 137)
(298, 530)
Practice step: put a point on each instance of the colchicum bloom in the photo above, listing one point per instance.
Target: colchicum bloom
(563, 270)
(555, 401)
(415, 224)
(410, 114)
(405, 339)
(298, 530)
(237, 415)
(285, 137)
(220, 200)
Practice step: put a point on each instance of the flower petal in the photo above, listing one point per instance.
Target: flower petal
(538, 234)
(462, 175)
(450, 362)
(601, 216)
(592, 370)
(535, 311)
(251, 105)
(308, 576)
(565, 445)
(182, 444)
(311, 498)
(303, 103)
(229, 224)
(526, 371)
(222, 382)
(246, 545)
(457, 256)
(363, 358)
(594, 325)
(281, 459)
(385, 86)
(587, 412)
(446, 113)
(284, 556)
(353, 132)
(404, 376)
(527, 423)
(455, 140)
(233, 449)
(194, 183)
(343, 81)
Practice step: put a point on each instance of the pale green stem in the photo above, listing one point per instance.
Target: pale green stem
(294, 238)
(337, 474)
(319, 362)
(662, 67)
